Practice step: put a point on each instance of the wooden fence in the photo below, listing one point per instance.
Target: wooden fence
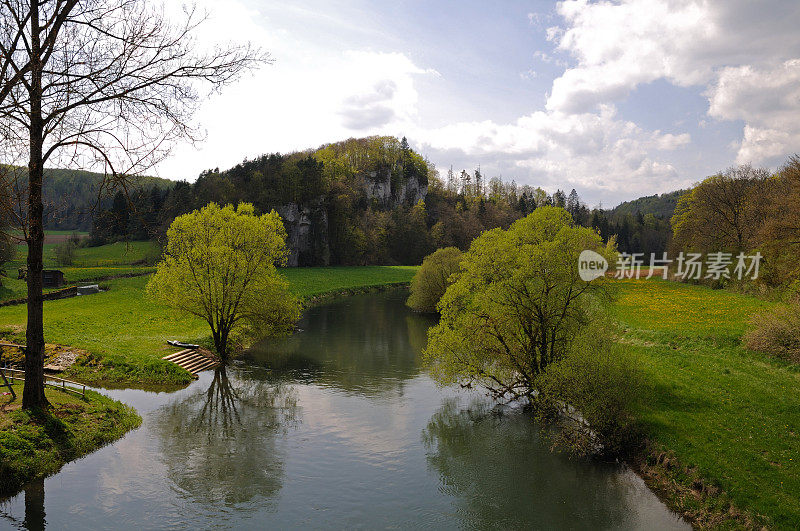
(67, 386)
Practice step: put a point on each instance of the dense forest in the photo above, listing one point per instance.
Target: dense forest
(72, 197)
(361, 201)
(661, 206)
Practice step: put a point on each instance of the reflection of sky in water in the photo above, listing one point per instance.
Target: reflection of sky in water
(335, 427)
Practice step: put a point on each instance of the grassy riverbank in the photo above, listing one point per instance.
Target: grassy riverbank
(319, 281)
(90, 264)
(728, 417)
(125, 333)
(36, 444)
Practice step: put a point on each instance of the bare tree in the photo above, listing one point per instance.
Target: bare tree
(107, 85)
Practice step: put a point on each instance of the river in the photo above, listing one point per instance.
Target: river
(337, 426)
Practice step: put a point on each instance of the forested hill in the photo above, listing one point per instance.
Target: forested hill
(360, 201)
(71, 196)
(661, 206)
(338, 202)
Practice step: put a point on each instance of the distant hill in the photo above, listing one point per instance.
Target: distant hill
(661, 206)
(71, 196)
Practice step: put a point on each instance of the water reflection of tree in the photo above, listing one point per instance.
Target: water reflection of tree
(34, 519)
(221, 446)
(369, 345)
(502, 474)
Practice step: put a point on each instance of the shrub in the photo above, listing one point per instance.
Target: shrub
(593, 393)
(776, 332)
(432, 279)
(65, 252)
(76, 238)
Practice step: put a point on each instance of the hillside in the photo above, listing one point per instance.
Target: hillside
(661, 206)
(360, 201)
(348, 202)
(71, 196)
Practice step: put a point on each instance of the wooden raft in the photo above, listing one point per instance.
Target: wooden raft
(191, 360)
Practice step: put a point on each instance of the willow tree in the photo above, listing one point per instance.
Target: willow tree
(106, 85)
(219, 265)
(517, 304)
(432, 279)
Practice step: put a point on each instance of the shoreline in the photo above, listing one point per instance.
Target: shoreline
(684, 491)
(38, 444)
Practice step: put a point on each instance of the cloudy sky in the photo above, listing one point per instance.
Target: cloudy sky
(615, 99)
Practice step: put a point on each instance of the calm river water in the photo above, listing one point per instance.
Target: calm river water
(335, 427)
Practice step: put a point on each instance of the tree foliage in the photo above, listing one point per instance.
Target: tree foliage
(779, 235)
(517, 304)
(745, 210)
(722, 213)
(432, 279)
(593, 392)
(219, 265)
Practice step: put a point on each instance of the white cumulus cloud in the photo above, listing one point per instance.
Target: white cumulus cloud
(768, 100)
(725, 47)
(594, 151)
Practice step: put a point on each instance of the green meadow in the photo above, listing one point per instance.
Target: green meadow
(731, 416)
(91, 264)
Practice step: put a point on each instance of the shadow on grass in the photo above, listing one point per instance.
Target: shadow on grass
(664, 398)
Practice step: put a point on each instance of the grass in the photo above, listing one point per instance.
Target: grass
(85, 274)
(36, 444)
(730, 416)
(125, 333)
(91, 264)
(110, 255)
(12, 288)
(315, 281)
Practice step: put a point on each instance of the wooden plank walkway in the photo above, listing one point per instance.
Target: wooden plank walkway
(191, 360)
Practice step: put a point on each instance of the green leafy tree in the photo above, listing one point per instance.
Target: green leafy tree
(432, 279)
(779, 236)
(517, 304)
(220, 265)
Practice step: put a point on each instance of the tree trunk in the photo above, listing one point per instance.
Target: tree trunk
(33, 392)
(220, 343)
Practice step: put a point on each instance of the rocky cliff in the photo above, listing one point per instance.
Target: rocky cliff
(378, 187)
(306, 233)
(307, 224)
